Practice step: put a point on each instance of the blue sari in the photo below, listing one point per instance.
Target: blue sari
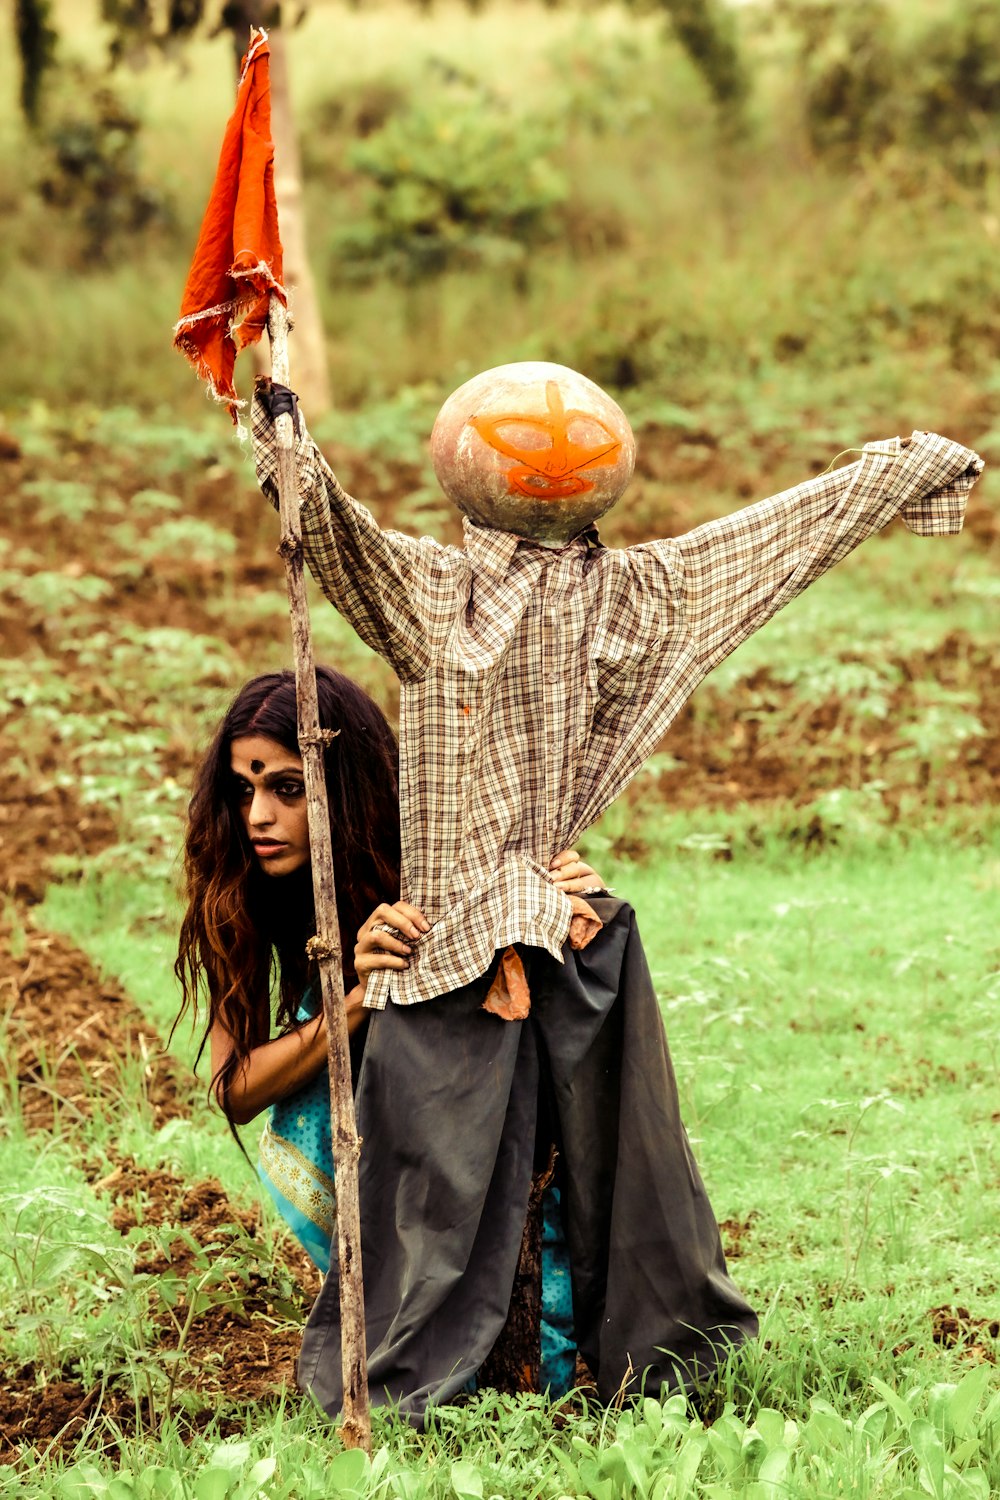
(295, 1164)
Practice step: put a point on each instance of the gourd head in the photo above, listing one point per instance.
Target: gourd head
(533, 448)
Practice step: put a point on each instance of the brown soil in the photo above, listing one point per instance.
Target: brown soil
(74, 1036)
(736, 1234)
(956, 1328)
(35, 1414)
(239, 1350)
(974, 1339)
(762, 745)
(39, 820)
(77, 1041)
(240, 1338)
(772, 748)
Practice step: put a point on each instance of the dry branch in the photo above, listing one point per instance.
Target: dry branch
(326, 947)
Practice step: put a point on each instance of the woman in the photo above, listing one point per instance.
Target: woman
(250, 913)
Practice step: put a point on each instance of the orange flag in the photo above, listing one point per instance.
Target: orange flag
(237, 263)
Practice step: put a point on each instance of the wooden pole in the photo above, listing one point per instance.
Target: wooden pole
(325, 946)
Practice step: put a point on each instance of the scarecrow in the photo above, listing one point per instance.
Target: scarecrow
(538, 669)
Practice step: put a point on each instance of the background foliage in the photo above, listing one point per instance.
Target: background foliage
(574, 175)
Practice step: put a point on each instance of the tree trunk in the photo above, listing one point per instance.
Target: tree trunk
(312, 378)
(708, 33)
(514, 1363)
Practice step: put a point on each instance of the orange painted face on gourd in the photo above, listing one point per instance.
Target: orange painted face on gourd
(558, 471)
(533, 448)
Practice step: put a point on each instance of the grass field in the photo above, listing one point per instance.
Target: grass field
(813, 851)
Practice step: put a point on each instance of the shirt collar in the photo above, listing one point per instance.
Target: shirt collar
(492, 551)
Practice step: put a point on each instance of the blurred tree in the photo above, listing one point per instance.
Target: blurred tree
(707, 32)
(312, 380)
(136, 26)
(92, 172)
(850, 72)
(36, 46)
(705, 28)
(957, 83)
(869, 84)
(453, 179)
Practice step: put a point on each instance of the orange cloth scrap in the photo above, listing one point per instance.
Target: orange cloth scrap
(508, 996)
(238, 261)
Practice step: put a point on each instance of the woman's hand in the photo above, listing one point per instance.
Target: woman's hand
(383, 950)
(573, 875)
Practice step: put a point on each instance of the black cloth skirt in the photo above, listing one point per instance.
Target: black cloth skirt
(448, 1101)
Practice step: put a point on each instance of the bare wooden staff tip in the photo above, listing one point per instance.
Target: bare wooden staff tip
(355, 1429)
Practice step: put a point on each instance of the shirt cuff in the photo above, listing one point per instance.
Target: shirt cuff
(931, 478)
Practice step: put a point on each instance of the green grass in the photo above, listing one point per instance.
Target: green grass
(830, 1024)
(867, 975)
(863, 976)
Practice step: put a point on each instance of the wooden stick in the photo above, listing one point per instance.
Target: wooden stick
(355, 1428)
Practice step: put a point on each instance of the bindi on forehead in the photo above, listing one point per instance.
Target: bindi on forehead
(256, 767)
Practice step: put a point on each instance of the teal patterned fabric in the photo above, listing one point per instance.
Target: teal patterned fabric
(558, 1339)
(295, 1164)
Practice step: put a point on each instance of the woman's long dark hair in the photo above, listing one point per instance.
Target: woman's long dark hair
(243, 928)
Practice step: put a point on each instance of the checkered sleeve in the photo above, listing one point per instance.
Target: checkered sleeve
(732, 575)
(933, 480)
(380, 581)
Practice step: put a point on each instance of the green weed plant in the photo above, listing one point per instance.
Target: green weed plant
(454, 177)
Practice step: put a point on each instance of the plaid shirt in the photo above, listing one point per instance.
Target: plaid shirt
(535, 681)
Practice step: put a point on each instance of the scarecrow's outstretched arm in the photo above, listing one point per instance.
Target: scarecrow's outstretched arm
(375, 578)
(729, 577)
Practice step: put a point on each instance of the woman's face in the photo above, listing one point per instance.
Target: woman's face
(271, 796)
